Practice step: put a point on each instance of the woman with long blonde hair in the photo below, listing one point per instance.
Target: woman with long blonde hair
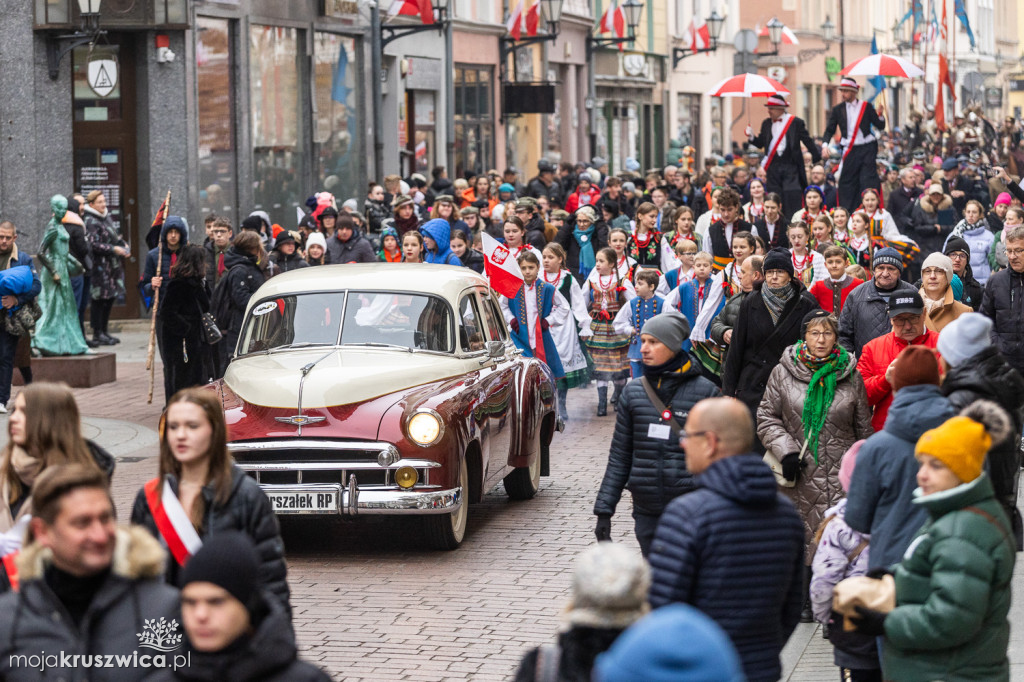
(199, 481)
(44, 430)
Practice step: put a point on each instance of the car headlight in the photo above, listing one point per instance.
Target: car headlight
(424, 428)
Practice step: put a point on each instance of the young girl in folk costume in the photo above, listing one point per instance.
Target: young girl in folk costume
(814, 205)
(743, 246)
(625, 266)
(631, 318)
(645, 243)
(822, 232)
(533, 311)
(808, 265)
(840, 225)
(859, 243)
(754, 209)
(412, 247)
(515, 233)
(390, 251)
(683, 225)
(686, 250)
(575, 360)
(606, 291)
(881, 225)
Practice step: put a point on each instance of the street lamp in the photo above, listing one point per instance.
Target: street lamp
(507, 45)
(389, 33)
(775, 28)
(828, 34)
(58, 46)
(552, 10)
(631, 9)
(715, 23)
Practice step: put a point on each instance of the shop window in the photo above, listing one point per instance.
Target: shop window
(688, 122)
(474, 119)
(276, 97)
(217, 154)
(336, 122)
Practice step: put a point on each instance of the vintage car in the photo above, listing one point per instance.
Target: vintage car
(386, 389)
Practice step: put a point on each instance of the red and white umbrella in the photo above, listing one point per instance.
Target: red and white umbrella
(748, 85)
(883, 65)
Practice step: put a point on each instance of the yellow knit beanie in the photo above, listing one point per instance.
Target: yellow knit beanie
(960, 443)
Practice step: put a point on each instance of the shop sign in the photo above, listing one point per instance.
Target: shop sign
(102, 74)
(777, 73)
(832, 68)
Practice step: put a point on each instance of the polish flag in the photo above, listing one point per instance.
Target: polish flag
(613, 20)
(413, 8)
(502, 269)
(698, 34)
(533, 19)
(514, 25)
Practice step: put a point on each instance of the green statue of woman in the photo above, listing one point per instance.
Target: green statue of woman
(58, 331)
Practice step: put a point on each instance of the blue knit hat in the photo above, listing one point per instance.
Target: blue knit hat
(676, 643)
(887, 256)
(505, 187)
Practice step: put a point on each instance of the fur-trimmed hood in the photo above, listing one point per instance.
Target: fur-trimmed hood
(927, 207)
(137, 556)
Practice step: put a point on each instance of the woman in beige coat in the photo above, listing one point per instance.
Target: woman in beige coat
(814, 408)
(941, 306)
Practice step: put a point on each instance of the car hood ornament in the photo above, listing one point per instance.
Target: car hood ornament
(300, 419)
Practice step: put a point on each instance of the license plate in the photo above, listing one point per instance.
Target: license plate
(301, 503)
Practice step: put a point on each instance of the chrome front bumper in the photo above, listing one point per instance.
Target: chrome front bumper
(352, 498)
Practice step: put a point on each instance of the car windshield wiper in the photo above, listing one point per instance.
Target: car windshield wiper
(301, 344)
(374, 344)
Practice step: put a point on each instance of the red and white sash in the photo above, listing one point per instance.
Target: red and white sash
(11, 566)
(853, 137)
(172, 521)
(770, 156)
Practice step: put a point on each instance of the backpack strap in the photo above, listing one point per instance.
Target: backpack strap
(995, 522)
(852, 556)
(660, 406)
(549, 657)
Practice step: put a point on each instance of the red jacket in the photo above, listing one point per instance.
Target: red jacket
(876, 357)
(573, 202)
(822, 291)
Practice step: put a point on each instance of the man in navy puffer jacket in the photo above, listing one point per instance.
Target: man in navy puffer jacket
(645, 455)
(734, 548)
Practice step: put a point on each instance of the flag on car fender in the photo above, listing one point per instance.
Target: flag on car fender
(502, 269)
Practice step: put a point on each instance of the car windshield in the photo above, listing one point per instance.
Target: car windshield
(410, 321)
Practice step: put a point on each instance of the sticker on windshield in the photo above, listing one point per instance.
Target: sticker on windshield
(264, 308)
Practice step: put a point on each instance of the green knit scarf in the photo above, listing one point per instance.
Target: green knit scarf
(820, 391)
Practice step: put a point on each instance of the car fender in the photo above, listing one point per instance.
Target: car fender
(535, 404)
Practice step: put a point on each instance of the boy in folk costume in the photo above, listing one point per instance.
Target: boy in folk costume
(686, 252)
(606, 292)
(530, 314)
(690, 297)
(718, 242)
(631, 319)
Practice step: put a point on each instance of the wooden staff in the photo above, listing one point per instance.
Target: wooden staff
(151, 351)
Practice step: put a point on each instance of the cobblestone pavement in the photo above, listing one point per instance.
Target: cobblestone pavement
(371, 602)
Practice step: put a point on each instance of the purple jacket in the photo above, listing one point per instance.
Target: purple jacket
(831, 563)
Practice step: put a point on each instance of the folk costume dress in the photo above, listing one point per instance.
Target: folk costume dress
(575, 360)
(859, 248)
(645, 249)
(884, 232)
(809, 268)
(631, 319)
(531, 304)
(669, 261)
(701, 305)
(625, 268)
(605, 296)
(719, 242)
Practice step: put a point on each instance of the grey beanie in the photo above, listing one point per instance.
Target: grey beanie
(670, 328)
(964, 337)
(609, 587)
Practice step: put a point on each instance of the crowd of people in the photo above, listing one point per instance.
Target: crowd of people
(813, 353)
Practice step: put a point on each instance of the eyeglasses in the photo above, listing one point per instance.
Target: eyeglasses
(904, 321)
(957, 255)
(1014, 252)
(820, 334)
(685, 435)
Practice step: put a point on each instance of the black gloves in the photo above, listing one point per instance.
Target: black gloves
(871, 622)
(603, 529)
(791, 466)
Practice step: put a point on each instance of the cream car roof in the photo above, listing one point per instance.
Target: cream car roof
(447, 281)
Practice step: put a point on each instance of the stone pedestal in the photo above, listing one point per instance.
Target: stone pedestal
(77, 371)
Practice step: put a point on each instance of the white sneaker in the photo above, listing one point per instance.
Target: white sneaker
(3, 409)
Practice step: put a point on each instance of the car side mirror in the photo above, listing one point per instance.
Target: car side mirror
(495, 349)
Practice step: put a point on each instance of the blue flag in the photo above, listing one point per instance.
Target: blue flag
(961, 14)
(877, 82)
(339, 91)
(917, 12)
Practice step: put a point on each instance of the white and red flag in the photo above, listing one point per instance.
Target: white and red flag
(613, 20)
(698, 34)
(533, 18)
(422, 8)
(514, 25)
(501, 267)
